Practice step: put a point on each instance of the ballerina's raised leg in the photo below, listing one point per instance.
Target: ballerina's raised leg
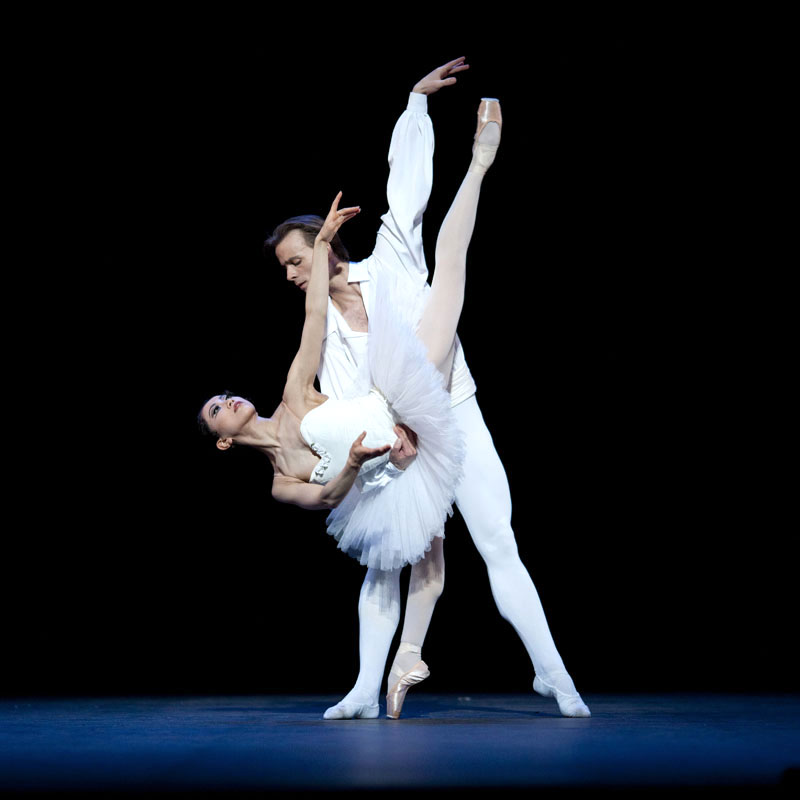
(437, 327)
(437, 330)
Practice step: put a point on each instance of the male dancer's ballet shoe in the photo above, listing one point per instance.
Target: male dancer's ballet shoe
(397, 694)
(343, 710)
(570, 705)
(485, 145)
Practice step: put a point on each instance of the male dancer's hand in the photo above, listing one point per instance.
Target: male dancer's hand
(441, 76)
(404, 450)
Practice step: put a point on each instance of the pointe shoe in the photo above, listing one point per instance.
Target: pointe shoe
(570, 705)
(488, 111)
(484, 152)
(397, 694)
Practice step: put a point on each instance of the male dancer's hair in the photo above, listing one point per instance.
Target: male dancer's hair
(309, 226)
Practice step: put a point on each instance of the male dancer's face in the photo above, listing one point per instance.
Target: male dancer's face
(294, 255)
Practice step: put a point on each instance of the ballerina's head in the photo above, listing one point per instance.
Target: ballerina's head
(226, 416)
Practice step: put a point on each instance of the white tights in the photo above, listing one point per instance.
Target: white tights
(484, 500)
(379, 614)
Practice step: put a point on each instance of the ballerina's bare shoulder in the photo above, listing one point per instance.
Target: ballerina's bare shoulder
(292, 457)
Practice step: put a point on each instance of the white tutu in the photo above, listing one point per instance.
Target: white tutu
(394, 524)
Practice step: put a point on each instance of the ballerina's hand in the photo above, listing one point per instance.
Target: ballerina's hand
(335, 219)
(441, 76)
(359, 454)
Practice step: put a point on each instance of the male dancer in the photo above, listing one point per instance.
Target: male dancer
(483, 497)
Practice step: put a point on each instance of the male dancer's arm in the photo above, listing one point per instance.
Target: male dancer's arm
(399, 248)
(399, 241)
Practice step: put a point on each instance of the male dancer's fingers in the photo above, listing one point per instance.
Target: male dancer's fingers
(456, 65)
(438, 78)
(410, 434)
(404, 442)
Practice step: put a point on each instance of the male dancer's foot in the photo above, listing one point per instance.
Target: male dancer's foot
(560, 686)
(357, 704)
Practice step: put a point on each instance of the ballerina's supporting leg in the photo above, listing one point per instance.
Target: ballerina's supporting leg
(424, 589)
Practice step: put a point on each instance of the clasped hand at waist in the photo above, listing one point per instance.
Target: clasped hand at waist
(403, 451)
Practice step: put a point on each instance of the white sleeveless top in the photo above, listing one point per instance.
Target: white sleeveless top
(331, 428)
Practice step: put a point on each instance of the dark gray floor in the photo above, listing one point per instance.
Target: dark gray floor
(501, 741)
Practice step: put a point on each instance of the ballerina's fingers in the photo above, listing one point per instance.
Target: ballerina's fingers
(359, 453)
(337, 217)
(336, 212)
(343, 216)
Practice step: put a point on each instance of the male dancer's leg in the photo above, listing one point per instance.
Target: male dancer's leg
(484, 500)
(378, 616)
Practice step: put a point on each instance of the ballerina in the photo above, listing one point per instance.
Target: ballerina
(386, 518)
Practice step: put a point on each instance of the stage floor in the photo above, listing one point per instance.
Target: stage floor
(278, 742)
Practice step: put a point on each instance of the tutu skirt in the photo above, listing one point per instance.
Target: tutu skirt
(395, 524)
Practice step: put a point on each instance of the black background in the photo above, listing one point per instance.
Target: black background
(607, 326)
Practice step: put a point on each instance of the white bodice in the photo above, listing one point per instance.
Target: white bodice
(331, 428)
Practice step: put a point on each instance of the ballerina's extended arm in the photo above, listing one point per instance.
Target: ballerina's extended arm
(300, 381)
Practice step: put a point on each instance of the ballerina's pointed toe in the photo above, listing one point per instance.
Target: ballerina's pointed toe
(397, 694)
(488, 111)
